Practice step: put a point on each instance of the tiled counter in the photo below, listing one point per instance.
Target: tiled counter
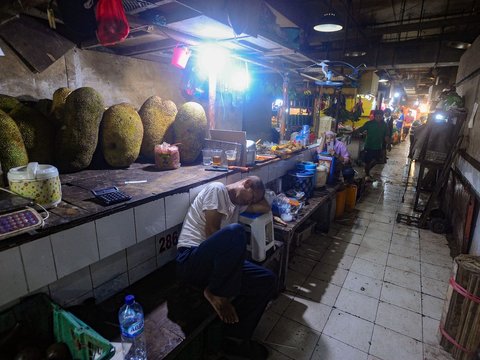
(99, 251)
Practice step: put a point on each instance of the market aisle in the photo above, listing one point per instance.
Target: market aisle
(371, 289)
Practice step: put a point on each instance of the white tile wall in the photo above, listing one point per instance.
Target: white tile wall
(75, 248)
(149, 219)
(12, 276)
(72, 287)
(176, 207)
(115, 232)
(141, 252)
(111, 287)
(39, 264)
(142, 270)
(108, 268)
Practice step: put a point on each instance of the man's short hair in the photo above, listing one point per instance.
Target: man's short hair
(378, 112)
(257, 185)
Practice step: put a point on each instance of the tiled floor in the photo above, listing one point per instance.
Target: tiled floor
(370, 290)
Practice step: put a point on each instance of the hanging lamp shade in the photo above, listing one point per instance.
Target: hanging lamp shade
(328, 23)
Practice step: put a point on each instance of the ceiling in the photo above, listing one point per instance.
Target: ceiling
(407, 41)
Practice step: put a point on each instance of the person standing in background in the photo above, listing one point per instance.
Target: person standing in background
(389, 122)
(407, 124)
(377, 134)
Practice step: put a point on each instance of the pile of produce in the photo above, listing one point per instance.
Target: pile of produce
(74, 131)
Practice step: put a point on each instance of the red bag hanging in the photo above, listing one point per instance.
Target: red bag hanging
(112, 24)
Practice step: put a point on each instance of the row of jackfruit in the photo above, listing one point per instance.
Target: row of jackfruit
(74, 131)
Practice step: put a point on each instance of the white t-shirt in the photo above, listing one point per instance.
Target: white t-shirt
(213, 197)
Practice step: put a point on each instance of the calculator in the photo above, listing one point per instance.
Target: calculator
(110, 196)
(20, 221)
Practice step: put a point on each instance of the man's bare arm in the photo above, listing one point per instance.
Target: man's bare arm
(261, 207)
(213, 221)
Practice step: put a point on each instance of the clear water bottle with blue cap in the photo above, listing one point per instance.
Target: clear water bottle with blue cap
(130, 317)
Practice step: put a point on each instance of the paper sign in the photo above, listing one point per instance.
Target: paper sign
(472, 115)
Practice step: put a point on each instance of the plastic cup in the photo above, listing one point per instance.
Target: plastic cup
(207, 157)
(231, 156)
(217, 157)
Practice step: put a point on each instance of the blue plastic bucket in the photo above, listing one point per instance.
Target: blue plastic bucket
(302, 181)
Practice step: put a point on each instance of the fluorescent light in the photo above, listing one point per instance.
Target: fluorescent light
(383, 80)
(355, 53)
(397, 94)
(328, 23)
(458, 45)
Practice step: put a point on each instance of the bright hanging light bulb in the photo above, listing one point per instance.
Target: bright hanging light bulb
(212, 58)
(239, 78)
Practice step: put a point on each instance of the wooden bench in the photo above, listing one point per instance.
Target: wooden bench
(175, 315)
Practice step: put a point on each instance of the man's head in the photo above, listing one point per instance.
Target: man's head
(247, 191)
(378, 115)
(388, 112)
(329, 136)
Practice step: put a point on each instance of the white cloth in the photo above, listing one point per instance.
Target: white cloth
(213, 197)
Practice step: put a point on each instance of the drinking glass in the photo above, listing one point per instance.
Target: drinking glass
(217, 157)
(231, 156)
(207, 157)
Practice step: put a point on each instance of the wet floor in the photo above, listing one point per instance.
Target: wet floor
(369, 289)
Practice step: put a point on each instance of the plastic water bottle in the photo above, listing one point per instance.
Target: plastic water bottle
(130, 317)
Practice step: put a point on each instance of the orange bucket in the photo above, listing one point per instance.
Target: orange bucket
(180, 57)
(351, 198)
(340, 203)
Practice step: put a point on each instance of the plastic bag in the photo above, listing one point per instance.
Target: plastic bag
(112, 24)
(167, 157)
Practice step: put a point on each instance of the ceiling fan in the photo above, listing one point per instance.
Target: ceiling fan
(333, 77)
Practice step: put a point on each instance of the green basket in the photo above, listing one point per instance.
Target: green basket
(47, 322)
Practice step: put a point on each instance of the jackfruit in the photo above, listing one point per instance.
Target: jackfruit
(190, 128)
(37, 132)
(44, 106)
(157, 118)
(12, 148)
(77, 138)
(7, 103)
(58, 105)
(121, 135)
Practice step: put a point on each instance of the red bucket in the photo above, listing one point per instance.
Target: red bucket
(181, 54)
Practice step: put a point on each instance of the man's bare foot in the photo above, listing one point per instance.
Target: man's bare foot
(222, 306)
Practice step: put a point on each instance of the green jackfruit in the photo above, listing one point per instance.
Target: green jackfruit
(44, 106)
(121, 135)
(190, 128)
(37, 132)
(12, 148)
(58, 105)
(157, 118)
(77, 138)
(7, 103)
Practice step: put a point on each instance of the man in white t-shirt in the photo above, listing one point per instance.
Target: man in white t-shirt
(212, 256)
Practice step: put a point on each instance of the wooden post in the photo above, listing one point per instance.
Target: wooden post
(212, 94)
(283, 114)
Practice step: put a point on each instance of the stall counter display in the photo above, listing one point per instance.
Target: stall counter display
(328, 161)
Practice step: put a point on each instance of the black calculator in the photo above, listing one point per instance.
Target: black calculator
(110, 196)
